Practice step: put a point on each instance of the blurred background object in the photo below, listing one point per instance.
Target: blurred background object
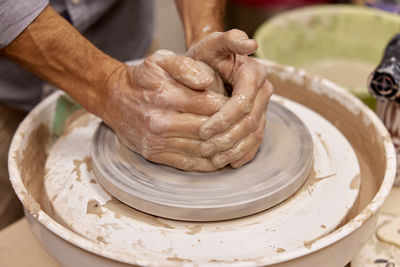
(168, 31)
(247, 15)
(387, 5)
(342, 43)
(384, 85)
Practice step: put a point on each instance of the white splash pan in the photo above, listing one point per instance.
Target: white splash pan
(370, 140)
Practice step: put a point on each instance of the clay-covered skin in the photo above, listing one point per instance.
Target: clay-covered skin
(234, 134)
(157, 108)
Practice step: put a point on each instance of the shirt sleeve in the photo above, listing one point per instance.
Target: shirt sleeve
(16, 15)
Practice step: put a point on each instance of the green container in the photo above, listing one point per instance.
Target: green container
(342, 43)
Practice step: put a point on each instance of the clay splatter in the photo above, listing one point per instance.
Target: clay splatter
(77, 163)
(193, 229)
(355, 182)
(120, 209)
(101, 240)
(94, 207)
(176, 258)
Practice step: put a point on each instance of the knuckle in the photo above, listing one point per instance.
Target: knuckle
(236, 153)
(145, 152)
(224, 142)
(187, 163)
(148, 61)
(251, 122)
(188, 146)
(260, 133)
(227, 141)
(245, 104)
(269, 87)
(146, 147)
(195, 149)
(215, 35)
(235, 34)
(147, 96)
(154, 143)
(150, 156)
(183, 65)
(235, 165)
(162, 53)
(260, 136)
(156, 123)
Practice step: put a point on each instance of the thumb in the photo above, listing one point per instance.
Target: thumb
(184, 69)
(237, 42)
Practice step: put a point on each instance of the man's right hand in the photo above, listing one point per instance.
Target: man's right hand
(156, 109)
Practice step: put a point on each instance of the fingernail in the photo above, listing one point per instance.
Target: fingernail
(208, 148)
(220, 160)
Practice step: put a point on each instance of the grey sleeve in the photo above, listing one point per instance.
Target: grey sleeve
(16, 15)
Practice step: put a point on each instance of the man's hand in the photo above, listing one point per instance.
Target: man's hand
(234, 134)
(157, 108)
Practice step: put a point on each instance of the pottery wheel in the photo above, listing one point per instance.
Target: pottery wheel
(280, 167)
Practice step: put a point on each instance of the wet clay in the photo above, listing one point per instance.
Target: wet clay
(31, 164)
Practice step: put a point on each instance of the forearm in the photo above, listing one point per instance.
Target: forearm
(53, 50)
(201, 18)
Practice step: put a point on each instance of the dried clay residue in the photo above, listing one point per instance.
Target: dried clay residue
(193, 229)
(31, 163)
(280, 250)
(77, 169)
(308, 244)
(176, 258)
(94, 207)
(119, 208)
(101, 239)
(355, 182)
(308, 185)
(79, 118)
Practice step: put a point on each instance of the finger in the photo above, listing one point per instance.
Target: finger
(241, 149)
(246, 158)
(249, 81)
(175, 96)
(217, 85)
(184, 70)
(182, 162)
(179, 145)
(237, 42)
(219, 45)
(240, 130)
(174, 124)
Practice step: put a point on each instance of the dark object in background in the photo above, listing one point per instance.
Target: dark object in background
(384, 84)
(385, 80)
